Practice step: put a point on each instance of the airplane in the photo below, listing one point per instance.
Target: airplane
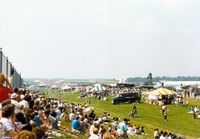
(176, 85)
(180, 85)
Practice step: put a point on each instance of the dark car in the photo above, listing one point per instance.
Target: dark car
(83, 94)
(196, 94)
(126, 98)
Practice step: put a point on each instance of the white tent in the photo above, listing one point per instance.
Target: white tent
(42, 85)
(53, 87)
(66, 88)
(99, 87)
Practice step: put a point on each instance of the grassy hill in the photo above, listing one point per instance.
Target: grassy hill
(179, 121)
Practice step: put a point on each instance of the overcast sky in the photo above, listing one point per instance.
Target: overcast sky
(101, 38)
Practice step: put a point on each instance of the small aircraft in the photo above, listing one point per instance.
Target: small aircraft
(180, 85)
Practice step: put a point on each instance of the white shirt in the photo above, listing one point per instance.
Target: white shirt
(7, 124)
(71, 116)
(91, 129)
(24, 103)
(18, 106)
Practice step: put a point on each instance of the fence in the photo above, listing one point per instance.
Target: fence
(9, 71)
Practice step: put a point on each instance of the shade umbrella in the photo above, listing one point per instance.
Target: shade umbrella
(162, 91)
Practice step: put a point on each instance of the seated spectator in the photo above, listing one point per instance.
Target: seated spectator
(37, 119)
(32, 122)
(191, 109)
(123, 128)
(21, 120)
(18, 106)
(83, 125)
(39, 132)
(9, 126)
(64, 115)
(72, 116)
(95, 135)
(108, 136)
(131, 130)
(137, 130)
(91, 114)
(93, 126)
(24, 103)
(76, 125)
(156, 134)
(198, 116)
(102, 131)
(196, 109)
(141, 130)
(109, 117)
(115, 124)
(50, 119)
(164, 135)
(25, 135)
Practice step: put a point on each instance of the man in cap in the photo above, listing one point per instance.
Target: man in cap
(4, 90)
(18, 106)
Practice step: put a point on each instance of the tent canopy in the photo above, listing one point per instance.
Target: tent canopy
(161, 91)
(66, 87)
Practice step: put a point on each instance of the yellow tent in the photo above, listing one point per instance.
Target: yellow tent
(161, 91)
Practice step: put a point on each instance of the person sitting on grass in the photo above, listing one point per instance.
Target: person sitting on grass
(95, 135)
(25, 135)
(102, 131)
(156, 133)
(131, 130)
(108, 136)
(114, 125)
(141, 130)
(8, 120)
(76, 125)
(123, 128)
(50, 119)
(40, 132)
(164, 135)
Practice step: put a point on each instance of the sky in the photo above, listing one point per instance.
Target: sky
(101, 38)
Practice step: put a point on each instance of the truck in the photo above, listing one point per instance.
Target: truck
(130, 97)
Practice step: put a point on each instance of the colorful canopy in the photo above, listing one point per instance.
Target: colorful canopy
(162, 91)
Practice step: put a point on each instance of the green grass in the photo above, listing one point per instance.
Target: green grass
(179, 121)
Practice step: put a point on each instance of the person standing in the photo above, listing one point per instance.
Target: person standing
(165, 115)
(4, 90)
(164, 111)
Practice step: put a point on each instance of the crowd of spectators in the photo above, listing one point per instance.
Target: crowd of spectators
(26, 114)
(84, 120)
(165, 135)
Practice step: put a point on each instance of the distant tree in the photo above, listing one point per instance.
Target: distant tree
(149, 80)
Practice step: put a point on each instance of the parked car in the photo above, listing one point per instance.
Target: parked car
(196, 94)
(130, 97)
(84, 94)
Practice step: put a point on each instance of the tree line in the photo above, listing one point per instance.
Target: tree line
(166, 78)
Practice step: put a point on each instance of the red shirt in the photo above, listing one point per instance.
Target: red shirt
(4, 93)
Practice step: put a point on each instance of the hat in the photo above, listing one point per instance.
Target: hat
(14, 95)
